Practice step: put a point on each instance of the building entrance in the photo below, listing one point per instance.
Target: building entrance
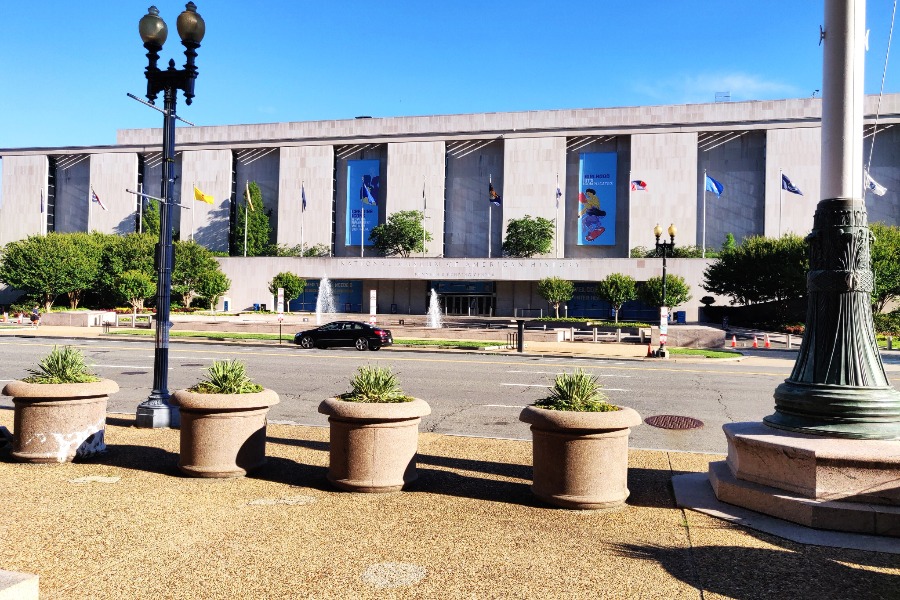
(466, 305)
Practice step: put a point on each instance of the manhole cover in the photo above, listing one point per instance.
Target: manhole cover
(673, 422)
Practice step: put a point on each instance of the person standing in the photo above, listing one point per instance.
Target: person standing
(36, 316)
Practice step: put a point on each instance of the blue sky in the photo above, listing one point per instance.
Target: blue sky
(66, 66)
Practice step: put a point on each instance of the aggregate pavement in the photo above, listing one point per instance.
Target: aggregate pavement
(129, 525)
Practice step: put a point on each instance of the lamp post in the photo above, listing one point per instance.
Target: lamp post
(156, 410)
(663, 310)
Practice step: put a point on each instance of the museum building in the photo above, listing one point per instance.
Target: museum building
(605, 176)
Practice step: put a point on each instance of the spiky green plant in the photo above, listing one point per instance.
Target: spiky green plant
(62, 365)
(576, 391)
(375, 384)
(226, 377)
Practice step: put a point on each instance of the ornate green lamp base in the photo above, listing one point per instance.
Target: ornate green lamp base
(838, 387)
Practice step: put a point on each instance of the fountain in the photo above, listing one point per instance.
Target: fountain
(324, 300)
(434, 311)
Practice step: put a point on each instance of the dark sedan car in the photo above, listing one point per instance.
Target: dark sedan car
(345, 333)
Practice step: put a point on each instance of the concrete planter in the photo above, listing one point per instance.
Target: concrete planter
(373, 445)
(580, 458)
(57, 422)
(222, 435)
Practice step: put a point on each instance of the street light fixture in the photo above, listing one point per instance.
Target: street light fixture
(664, 311)
(156, 410)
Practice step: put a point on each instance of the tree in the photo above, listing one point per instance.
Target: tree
(135, 287)
(885, 251)
(151, 219)
(528, 237)
(212, 286)
(555, 290)
(683, 251)
(403, 233)
(728, 244)
(617, 289)
(259, 232)
(293, 285)
(760, 270)
(82, 265)
(193, 264)
(677, 291)
(131, 252)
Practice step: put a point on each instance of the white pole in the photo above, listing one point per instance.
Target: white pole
(302, 210)
(90, 207)
(245, 230)
(424, 208)
(703, 249)
(557, 215)
(780, 198)
(490, 213)
(192, 218)
(362, 223)
(842, 99)
(140, 200)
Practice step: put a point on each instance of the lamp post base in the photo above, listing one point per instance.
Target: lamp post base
(155, 414)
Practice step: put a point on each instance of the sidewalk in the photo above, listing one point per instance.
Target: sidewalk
(130, 526)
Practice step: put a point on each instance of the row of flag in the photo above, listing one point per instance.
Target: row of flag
(710, 185)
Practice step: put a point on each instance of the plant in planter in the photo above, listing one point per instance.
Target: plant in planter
(223, 422)
(374, 433)
(580, 444)
(60, 409)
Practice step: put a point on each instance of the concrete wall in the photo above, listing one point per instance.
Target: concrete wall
(262, 166)
(739, 164)
(412, 166)
(668, 164)
(210, 171)
(797, 152)
(468, 210)
(884, 169)
(24, 180)
(73, 180)
(532, 168)
(110, 175)
(152, 185)
(309, 168)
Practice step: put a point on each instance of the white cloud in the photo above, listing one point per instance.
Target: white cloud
(703, 87)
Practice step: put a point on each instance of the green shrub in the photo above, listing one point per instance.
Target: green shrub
(375, 384)
(578, 392)
(888, 323)
(226, 377)
(64, 365)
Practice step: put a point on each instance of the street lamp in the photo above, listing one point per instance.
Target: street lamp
(664, 311)
(156, 410)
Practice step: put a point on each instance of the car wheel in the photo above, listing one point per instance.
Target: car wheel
(307, 342)
(374, 347)
(362, 344)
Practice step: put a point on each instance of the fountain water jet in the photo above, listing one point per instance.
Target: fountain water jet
(434, 311)
(324, 300)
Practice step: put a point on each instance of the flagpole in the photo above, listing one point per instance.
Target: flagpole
(424, 208)
(302, 210)
(490, 213)
(362, 223)
(140, 200)
(780, 198)
(246, 222)
(703, 249)
(90, 208)
(192, 215)
(557, 215)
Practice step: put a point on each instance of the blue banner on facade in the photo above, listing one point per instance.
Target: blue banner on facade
(363, 198)
(597, 199)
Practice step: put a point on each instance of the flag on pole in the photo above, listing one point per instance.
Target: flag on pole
(558, 195)
(874, 187)
(247, 192)
(714, 186)
(96, 198)
(493, 196)
(637, 185)
(303, 197)
(424, 198)
(787, 185)
(369, 198)
(198, 195)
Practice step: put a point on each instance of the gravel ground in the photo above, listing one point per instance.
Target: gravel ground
(129, 526)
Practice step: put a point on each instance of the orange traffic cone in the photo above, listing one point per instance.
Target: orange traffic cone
(734, 341)
(755, 343)
(649, 350)
(766, 341)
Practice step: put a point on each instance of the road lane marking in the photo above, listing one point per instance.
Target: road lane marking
(125, 367)
(557, 373)
(503, 405)
(541, 385)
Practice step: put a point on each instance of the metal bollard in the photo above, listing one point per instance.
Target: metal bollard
(618, 335)
(789, 340)
(890, 342)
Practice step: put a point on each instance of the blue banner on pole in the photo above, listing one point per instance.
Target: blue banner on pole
(363, 194)
(597, 199)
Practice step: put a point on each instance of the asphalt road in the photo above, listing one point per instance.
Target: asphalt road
(470, 394)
